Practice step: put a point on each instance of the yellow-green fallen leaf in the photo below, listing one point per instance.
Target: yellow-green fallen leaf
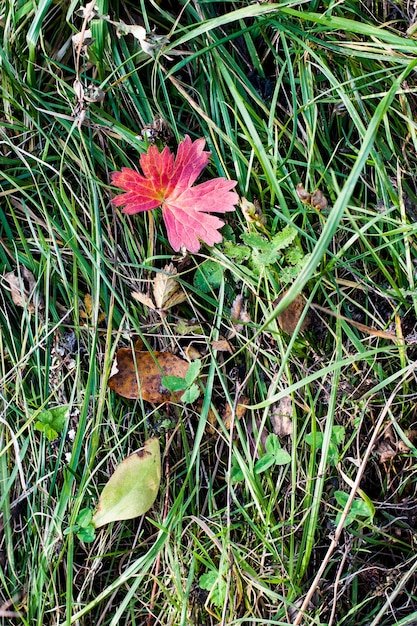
(132, 489)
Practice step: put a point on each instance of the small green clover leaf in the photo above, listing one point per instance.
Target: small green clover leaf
(83, 527)
(359, 510)
(191, 389)
(337, 438)
(274, 455)
(236, 474)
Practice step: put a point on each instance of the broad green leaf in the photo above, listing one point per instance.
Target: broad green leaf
(132, 489)
(208, 276)
(174, 383)
(216, 585)
(191, 394)
(193, 371)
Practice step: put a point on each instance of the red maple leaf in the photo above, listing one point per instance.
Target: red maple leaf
(167, 182)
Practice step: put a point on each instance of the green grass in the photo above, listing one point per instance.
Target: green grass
(321, 93)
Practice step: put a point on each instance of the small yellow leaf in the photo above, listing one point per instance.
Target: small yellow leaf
(222, 345)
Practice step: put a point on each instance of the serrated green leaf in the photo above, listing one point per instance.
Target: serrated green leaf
(255, 240)
(269, 257)
(288, 274)
(132, 489)
(284, 238)
(294, 255)
(237, 252)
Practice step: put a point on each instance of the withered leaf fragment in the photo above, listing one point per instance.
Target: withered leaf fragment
(290, 316)
(139, 375)
(281, 414)
(167, 291)
(222, 345)
(252, 212)
(22, 286)
(227, 415)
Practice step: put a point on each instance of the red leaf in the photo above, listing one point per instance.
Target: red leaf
(167, 182)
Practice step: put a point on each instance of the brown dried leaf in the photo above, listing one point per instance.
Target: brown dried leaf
(222, 346)
(236, 310)
(239, 316)
(139, 374)
(386, 450)
(143, 299)
(22, 286)
(227, 415)
(388, 447)
(192, 353)
(167, 291)
(158, 129)
(87, 314)
(290, 316)
(280, 417)
(82, 40)
(240, 412)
